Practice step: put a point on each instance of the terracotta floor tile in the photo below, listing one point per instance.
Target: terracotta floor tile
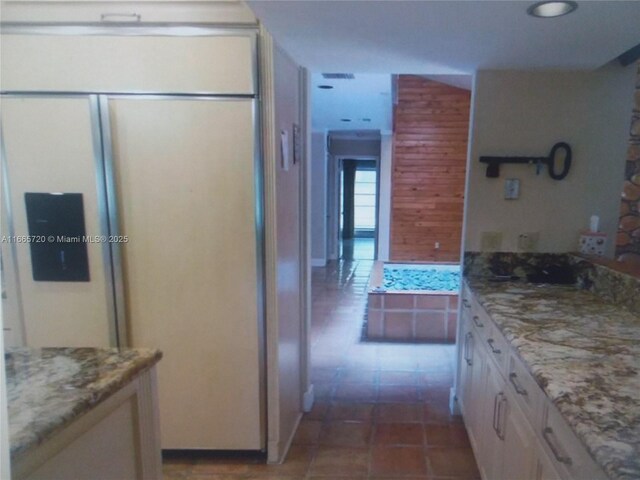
(398, 378)
(355, 392)
(399, 413)
(439, 413)
(399, 434)
(358, 376)
(308, 432)
(296, 463)
(362, 412)
(452, 462)
(446, 436)
(346, 434)
(399, 394)
(397, 461)
(349, 462)
(318, 411)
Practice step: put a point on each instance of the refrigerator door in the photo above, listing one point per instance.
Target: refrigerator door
(186, 195)
(58, 286)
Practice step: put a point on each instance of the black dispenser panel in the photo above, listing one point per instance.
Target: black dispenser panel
(57, 237)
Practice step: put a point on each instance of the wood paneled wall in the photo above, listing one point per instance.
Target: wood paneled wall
(431, 129)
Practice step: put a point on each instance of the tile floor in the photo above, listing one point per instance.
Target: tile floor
(381, 409)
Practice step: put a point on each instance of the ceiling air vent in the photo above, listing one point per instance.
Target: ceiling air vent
(339, 76)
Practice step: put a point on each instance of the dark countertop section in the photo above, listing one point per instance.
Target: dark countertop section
(48, 388)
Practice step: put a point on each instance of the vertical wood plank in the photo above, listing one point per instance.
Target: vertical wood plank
(431, 129)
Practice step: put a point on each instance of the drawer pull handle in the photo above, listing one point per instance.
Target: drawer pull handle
(467, 356)
(547, 432)
(495, 350)
(115, 17)
(495, 411)
(516, 385)
(500, 415)
(476, 320)
(466, 303)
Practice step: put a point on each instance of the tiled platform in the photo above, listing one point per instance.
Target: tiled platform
(381, 409)
(413, 316)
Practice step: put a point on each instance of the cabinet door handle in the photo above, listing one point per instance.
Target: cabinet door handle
(495, 350)
(516, 385)
(500, 421)
(495, 411)
(466, 303)
(467, 340)
(476, 320)
(120, 17)
(547, 433)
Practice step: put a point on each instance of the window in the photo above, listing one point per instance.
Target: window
(365, 200)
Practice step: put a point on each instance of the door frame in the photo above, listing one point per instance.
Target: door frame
(338, 159)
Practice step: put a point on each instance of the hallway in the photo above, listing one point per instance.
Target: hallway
(381, 409)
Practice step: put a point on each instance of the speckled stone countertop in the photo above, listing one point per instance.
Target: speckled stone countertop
(48, 388)
(584, 352)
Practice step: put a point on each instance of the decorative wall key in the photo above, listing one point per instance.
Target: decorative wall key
(560, 152)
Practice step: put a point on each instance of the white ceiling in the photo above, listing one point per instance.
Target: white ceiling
(366, 96)
(447, 37)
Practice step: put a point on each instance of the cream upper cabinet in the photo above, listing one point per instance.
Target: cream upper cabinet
(233, 12)
(129, 63)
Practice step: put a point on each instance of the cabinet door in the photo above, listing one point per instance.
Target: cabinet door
(51, 147)
(519, 440)
(466, 364)
(185, 176)
(544, 466)
(491, 451)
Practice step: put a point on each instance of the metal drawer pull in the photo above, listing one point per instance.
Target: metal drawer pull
(546, 434)
(500, 430)
(495, 410)
(115, 17)
(468, 337)
(476, 320)
(466, 303)
(516, 385)
(493, 349)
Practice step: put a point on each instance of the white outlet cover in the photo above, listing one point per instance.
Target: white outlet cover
(511, 188)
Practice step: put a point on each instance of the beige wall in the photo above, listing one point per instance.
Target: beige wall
(318, 198)
(289, 262)
(525, 113)
(280, 76)
(384, 212)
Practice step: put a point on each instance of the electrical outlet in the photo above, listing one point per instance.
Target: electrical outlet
(528, 242)
(491, 241)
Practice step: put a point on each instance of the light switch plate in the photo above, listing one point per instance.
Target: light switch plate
(511, 188)
(490, 241)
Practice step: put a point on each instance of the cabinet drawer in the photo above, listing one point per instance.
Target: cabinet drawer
(568, 454)
(525, 390)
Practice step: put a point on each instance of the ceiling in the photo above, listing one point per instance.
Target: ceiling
(452, 37)
(366, 96)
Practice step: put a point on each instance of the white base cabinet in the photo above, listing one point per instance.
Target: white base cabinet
(515, 431)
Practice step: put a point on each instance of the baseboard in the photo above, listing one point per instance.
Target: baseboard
(454, 407)
(273, 446)
(308, 398)
(318, 262)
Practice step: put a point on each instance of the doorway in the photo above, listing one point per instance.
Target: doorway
(358, 209)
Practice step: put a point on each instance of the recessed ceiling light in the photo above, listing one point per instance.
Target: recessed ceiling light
(551, 9)
(345, 119)
(325, 87)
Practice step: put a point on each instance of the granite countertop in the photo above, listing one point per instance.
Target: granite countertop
(584, 352)
(47, 388)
